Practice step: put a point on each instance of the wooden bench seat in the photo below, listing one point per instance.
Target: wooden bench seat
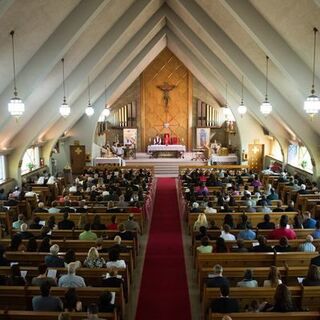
(37, 315)
(268, 315)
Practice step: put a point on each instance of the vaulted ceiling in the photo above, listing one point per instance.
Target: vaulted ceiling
(112, 42)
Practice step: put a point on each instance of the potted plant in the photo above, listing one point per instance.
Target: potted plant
(30, 165)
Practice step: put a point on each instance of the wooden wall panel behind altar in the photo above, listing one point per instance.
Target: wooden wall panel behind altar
(159, 106)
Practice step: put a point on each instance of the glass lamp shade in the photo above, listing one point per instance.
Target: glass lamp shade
(266, 108)
(89, 110)
(16, 107)
(312, 105)
(106, 112)
(242, 109)
(64, 110)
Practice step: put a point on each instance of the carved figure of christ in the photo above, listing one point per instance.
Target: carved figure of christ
(166, 88)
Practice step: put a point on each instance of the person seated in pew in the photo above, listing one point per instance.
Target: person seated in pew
(113, 225)
(250, 207)
(316, 233)
(36, 223)
(15, 279)
(225, 208)
(67, 207)
(203, 233)
(290, 207)
(216, 279)
(132, 225)
(316, 261)
(71, 301)
(45, 245)
(200, 222)
(32, 245)
(298, 221)
(308, 221)
(24, 233)
(279, 207)
(71, 280)
(313, 276)
(11, 202)
(3, 260)
(123, 233)
(226, 235)
(112, 279)
(220, 246)
(43, 277)
(239, 247)
(248, 281)
(115, 261)
(69, 257)
(66, 223)
(53, 209)
(273, 195)
(195, 207)
(40, 208)
(265, 208)
(92, 312)
(93, 260)
(307, 246)
(225, 304)
(247, 233)
(118, 245)
(46, 302)
(282, 300)
(105, 304)
(228, 219)
(82, 207)
(96, 223)
(53, 260)
(209, 208)
(283, 230)
(243, 222)
(2, 208)
(16, 243)
(262, 246)
(283, 245)
(52, 223)
(274, 278)
(87, 234)
(17, 224)
(205, 247)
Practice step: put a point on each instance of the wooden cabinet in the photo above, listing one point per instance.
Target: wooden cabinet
(77, 158)
(255, 157)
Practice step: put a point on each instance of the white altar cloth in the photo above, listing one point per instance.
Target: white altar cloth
(231, 158)
(169, 147)
(113, 160)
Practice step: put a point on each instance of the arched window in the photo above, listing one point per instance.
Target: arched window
(2, 169)
(299, 156)
(30, 160)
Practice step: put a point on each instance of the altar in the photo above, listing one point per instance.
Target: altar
(110, 160)
(229, 159)
(166, 151)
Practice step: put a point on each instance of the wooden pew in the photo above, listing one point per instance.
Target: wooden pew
(246, 295)
(45, 315)
(311, 298)
(36, 258)
(268, 315)
(301, 200)
(22, 296)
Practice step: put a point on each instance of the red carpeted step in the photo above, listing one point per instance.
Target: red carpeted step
(164, 288)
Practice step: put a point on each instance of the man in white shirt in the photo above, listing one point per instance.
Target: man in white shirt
(226, 235)
(209, 208)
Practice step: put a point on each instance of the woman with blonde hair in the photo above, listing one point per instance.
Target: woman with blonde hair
(93, 260)
(274, 278)
(201, 221)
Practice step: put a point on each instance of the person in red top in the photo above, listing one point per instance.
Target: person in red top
(283, 231)
(113, 225)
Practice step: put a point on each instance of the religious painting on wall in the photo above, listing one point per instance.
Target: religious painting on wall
(203, 137)
(130, 136)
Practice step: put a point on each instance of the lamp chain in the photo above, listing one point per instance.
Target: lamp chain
(63, 82)
(315, 30)
(267, 73)
(14, 65)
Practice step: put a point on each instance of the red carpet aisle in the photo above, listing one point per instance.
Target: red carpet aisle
(164, 289)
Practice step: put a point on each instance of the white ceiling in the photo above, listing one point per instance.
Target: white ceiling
(109, 41)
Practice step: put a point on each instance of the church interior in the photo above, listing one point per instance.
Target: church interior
(162, 115)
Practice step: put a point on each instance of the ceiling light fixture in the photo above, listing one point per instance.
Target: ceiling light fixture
(242, 109)
(15, 106)
(312, 103)
(64, 108)
(266, 106)
(89, 109)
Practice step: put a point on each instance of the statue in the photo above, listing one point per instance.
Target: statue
(166, 88)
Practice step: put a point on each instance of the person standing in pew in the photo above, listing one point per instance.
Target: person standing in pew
(46, 302)
(216, 279)
(225, 304)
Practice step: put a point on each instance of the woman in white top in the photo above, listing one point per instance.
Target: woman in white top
(114, 261)
(248, 281)
(209, 208)
(226, 235)
(201, 221)
(274, 278)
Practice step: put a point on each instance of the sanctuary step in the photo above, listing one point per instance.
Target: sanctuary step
(164, 167)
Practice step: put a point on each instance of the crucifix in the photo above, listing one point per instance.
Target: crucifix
(166, 88)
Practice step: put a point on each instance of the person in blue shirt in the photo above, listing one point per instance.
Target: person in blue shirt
(248, 233)
(316, 233)
(309, 222)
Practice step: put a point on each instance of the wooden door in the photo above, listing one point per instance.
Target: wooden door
(77, 158)
(255, 157)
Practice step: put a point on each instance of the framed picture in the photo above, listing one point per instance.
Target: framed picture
(203, 137)
(130, 136)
